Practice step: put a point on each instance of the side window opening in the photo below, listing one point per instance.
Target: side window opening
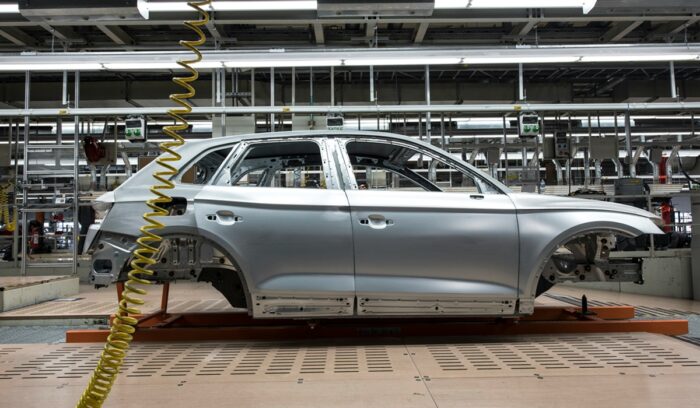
(280, 164)
(379, 178)
(204, 168)
(387, 166)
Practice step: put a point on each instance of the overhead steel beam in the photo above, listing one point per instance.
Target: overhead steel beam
(61, 32)
(453, 19)
(671, 28)
(370, 29)
(619, 30)
(214, 31)
(420, 32)
(116, 34)
(323, 109)
(17, 37)
(522, 29)
(318, 33)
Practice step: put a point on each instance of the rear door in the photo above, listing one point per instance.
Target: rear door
(428, 238)
(278, 210)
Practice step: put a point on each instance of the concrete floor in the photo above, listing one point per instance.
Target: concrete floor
(599, 370)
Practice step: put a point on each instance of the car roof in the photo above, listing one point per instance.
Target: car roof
(194, 147)
(303, 133)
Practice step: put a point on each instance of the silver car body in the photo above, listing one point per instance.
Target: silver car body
(342, 251)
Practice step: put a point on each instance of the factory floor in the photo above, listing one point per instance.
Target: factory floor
(600, 370)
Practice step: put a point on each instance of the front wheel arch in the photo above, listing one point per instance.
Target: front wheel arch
(533, 285)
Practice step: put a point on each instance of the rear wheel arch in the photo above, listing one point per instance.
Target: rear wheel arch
(236, 291)
(226, 275)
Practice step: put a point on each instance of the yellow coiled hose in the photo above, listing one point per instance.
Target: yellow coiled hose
(123, 324)
(10, 223)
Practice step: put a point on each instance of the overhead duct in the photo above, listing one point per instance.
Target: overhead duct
(380, 8)
(52, 10)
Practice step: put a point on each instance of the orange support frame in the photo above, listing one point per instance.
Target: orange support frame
(163, 326)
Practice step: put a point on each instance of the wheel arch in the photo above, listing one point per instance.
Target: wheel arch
(233, 259)
(540, 237)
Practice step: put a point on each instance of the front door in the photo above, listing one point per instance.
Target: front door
(429, 238)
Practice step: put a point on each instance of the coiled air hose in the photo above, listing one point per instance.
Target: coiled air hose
(10, 223)
(124, 324)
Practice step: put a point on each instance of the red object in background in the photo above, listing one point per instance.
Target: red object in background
(94, 150)
(662, 170)
(58, 217)
(34, 234)
(667, 216)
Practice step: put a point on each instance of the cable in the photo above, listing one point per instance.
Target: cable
(687, 176)
(124, 324)
(10, 223)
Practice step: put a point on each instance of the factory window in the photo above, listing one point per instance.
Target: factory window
(286, 165)
(392, 166)
(203, 169)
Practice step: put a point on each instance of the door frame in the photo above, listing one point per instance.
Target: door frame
(478, 307)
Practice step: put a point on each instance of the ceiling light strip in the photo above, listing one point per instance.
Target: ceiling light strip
(145, 61)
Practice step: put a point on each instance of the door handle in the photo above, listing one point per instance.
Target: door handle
(476, 196)
(376, 221)
(224, 217)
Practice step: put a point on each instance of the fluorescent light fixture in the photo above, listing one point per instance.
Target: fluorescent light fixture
(586, 5)
(120, 66)
(282, 63)
(402, 61)
(520, 60)
(78, 66)
(639, 58)
(9, 8)
(261, 5)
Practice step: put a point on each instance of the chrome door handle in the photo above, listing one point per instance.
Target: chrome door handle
(376, 221)
(476, 196)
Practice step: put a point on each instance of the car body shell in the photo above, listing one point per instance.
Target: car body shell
(306, 252)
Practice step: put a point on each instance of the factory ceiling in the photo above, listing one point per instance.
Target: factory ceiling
(610, 21)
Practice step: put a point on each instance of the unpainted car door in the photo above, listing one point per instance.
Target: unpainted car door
(278, 210)
(427, 252)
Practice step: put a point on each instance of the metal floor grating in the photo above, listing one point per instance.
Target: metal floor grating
(205, 359)
(476, 357)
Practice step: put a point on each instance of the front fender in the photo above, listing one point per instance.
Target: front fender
(541, 232)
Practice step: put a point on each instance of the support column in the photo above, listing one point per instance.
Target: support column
(672, 73)
(76, 175)
(521, 83)
(272, 98)
(505, 153)
(428, 123)
(332, 86)
(587, 157)
(372, 97)
(25, 178)
(628, 147)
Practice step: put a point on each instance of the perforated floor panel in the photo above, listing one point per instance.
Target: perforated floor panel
(641, 311)
(382, 374)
